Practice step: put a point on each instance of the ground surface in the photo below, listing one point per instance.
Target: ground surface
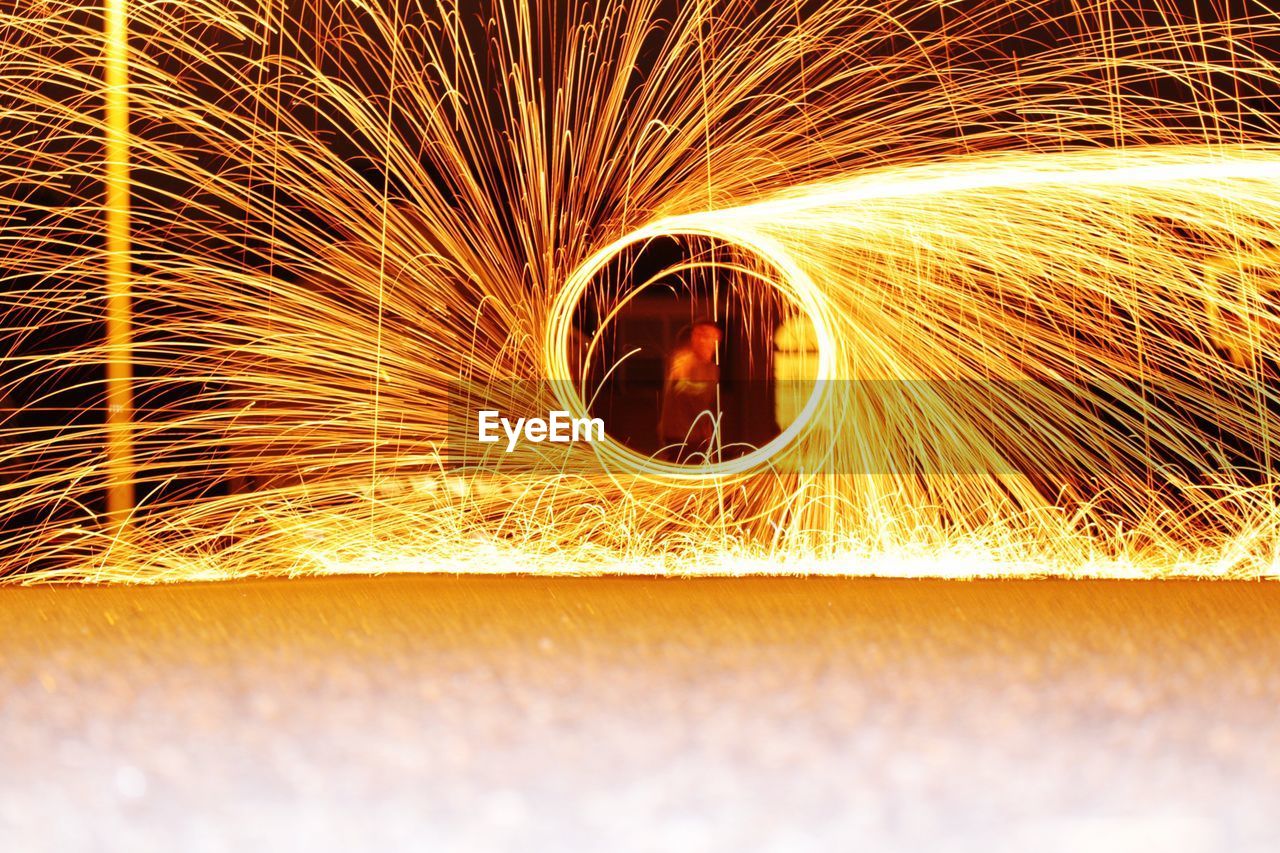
(482, 713)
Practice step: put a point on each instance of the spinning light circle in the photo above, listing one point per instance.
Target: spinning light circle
(794, 282)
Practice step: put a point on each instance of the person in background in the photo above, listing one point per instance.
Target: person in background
(688, 420)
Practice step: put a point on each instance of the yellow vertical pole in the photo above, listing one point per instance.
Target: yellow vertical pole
(120, 463)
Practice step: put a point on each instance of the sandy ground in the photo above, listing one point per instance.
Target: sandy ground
(639, 714)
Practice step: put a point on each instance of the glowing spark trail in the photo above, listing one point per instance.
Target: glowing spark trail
(1034, 245)
(119, 372)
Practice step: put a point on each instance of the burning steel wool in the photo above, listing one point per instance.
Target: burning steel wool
(261, 259)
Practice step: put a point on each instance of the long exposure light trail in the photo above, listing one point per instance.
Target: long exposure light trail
(120, 475)
(1033, 232)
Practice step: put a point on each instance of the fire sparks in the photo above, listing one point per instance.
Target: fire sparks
(1048, 233)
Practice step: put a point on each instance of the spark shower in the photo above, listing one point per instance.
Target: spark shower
(252, 247)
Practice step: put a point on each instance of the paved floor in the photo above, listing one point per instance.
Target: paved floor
(520, 713)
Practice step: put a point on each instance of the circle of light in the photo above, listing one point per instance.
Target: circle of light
(795, 283)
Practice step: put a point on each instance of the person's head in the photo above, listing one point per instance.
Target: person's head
(703, 340)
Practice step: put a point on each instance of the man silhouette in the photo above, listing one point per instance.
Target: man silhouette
(687, 423)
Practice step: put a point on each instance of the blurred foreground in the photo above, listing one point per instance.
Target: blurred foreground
(612, 713)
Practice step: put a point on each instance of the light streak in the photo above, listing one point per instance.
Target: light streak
(119, 368)
(320, 270)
